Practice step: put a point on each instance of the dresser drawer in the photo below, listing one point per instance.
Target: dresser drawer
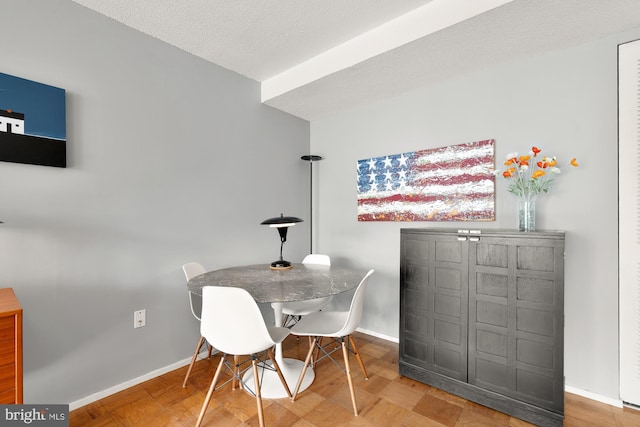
(7, 352)
(10, 348)
(7, 395)
(7, 328)
(7, 374)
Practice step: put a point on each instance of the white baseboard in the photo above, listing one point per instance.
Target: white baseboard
(377, 335)
(130, 383)
(593, 396)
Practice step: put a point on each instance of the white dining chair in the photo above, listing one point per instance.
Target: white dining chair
(339, 327)
(191, 270)
(293, 311)
(248, 335)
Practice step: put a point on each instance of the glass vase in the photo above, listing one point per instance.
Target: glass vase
(527, 214)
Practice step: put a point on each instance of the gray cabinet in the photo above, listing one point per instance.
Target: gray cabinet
(481, 316)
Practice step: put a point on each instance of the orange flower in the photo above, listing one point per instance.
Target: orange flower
(509, 173)
(531, 177)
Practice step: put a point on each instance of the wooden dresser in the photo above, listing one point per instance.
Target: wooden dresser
(10, 348)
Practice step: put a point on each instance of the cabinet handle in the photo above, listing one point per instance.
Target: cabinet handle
(462, 238)
(474, 239)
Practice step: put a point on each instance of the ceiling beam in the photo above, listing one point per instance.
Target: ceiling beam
(421, 22)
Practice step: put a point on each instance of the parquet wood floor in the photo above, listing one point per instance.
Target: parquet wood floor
(386, 399)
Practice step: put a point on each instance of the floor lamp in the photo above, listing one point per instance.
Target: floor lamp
(311, 158)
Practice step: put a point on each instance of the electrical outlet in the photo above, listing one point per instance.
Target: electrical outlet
(139, 318)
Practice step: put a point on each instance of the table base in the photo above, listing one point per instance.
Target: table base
(271, 385)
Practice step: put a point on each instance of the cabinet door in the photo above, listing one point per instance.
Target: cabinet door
(516, 302)
(434, 299)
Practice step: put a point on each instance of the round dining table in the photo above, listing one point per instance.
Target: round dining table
(302, 282)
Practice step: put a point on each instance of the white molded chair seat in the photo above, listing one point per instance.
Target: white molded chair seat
(191, 270)
(296, 309)
(303, 308)
(327, 325)
(337, 325)
(232, 323)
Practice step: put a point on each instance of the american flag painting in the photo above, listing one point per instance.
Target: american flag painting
(454, 183)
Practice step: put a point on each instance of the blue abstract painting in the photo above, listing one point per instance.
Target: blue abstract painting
(32, 122)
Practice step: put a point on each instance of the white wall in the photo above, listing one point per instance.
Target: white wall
(170, 159)
(564, 102)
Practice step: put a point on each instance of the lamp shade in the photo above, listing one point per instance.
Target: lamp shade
(281, 221)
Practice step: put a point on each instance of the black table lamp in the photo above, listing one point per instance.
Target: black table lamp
(282, 223)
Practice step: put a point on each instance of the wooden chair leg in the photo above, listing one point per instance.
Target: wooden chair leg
(210, 349)
(258, 393)
(313, 360)
(207, 399)
(193, 360)
(345, 353)
(277, 368)
(304, 368)
(357, 353)
(236, 373)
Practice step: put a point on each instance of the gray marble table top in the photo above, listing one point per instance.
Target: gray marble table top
(302, 282)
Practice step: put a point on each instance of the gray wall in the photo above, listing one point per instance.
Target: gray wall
(171, 159)
(564, 102)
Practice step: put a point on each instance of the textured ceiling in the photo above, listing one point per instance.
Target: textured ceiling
(269, 40)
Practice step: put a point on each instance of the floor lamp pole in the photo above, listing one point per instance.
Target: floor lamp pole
(311, 158)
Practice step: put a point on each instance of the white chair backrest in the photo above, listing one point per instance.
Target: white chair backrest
(191, 270)
(317, 259)
(232, 321)
(355, 310)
